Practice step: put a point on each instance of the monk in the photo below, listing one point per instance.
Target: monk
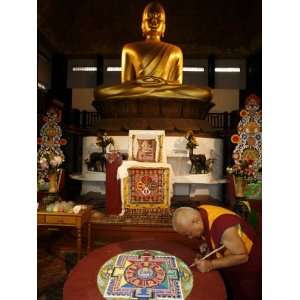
(239, 259)
(152, 68)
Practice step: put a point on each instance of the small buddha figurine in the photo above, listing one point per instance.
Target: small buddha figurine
(152, 68)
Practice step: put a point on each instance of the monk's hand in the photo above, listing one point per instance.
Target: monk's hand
(203, 265)
(198, 256)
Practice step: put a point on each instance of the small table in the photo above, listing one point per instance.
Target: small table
(61, 219)
(82, 280)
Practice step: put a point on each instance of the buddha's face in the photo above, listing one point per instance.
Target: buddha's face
(153, 23)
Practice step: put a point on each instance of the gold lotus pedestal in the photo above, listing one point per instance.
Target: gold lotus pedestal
(153, 113)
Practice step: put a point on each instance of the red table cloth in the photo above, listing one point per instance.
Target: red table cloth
(82, 280)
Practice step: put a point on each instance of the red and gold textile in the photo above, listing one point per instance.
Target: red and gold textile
(147, 190)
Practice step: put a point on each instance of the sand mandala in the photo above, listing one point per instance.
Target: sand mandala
(145, 275)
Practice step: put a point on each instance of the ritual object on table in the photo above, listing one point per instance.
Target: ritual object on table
(65, 207)
(78, 208)
(145, 274)
(60, 206)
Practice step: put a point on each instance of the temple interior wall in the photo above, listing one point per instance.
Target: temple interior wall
(82, 99)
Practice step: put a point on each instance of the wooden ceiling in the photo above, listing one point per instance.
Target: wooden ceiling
(230, 28)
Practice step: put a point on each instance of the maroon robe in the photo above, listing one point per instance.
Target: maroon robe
(243, 282)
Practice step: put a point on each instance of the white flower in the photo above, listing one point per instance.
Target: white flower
(43, 163)
(41, 181)
(58, 159)
(53, 163)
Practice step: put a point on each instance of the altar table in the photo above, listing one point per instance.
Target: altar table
(82, 280)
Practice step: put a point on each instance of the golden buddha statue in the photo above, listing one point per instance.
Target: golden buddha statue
(152, 68)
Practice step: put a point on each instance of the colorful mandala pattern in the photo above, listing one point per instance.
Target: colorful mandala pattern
(145, 275)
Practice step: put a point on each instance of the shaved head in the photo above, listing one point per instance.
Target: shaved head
(183, 218)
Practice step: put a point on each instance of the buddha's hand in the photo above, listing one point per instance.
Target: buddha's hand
(203, 266)
(150, 81)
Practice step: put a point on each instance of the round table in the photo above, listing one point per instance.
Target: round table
(82, 280)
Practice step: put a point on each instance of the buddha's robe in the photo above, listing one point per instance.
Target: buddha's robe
(152, 69)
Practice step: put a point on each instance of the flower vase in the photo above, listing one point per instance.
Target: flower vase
(240, 185)
(52, 182)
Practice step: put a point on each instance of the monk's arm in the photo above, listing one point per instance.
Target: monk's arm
(235, 253)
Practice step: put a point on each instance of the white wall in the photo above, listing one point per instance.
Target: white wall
(82, 99)
(225, 100)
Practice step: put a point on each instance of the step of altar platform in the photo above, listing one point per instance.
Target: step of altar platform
(111, 229)
(114, 228)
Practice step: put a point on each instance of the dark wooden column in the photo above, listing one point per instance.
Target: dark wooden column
(59, 71)
(59, 93)
(211, 71)
(100, 69)
(254, 73)
(253, 77)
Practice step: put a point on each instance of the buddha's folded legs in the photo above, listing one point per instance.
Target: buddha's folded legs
(133, 90)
